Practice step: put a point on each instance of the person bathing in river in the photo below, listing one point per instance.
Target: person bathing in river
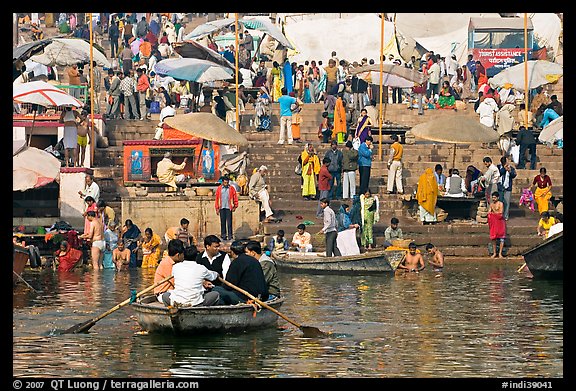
(414, 262)
(437, 258)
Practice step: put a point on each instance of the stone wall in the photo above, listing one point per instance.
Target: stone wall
(162, 211)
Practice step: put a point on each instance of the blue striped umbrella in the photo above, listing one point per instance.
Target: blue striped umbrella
(193, 69)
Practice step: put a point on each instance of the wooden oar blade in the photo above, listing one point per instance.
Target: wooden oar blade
(312, 332)
(80, 327)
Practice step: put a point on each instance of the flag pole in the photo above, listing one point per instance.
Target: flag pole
(237, 70)
(92, 138)
(526, 68)
(381, 71)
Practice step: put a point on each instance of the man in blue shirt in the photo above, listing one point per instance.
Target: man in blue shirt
(471, 64)
(286, 115)
(365, 163)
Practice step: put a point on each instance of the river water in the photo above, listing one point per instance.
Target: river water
(476, 319)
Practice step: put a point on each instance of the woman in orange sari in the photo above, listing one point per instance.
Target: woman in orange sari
(150, 249)
(339, 129)
(543, 185)
(427, 194)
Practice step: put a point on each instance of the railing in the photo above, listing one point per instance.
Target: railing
(80, 91)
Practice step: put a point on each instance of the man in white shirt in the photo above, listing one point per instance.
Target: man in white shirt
(214, 259)
(486, 109)
(189, 283)
(91, 188)
(491, 177)
(455, 185)
(451, 66)
(433, 79)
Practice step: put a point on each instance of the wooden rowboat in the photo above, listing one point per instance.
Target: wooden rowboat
(21, 255)
(153, 316)
(546, 259)
(368, 262)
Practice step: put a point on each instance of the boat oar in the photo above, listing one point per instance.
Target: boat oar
(85, 326)
(25, 282)
(308, 331)
(521, 267)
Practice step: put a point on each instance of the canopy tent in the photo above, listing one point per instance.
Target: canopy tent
(540, 72)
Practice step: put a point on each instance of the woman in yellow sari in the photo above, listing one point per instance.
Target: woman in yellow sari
(427, 194)
(150, 249)
(310, 168)
(276, 81)
(543, 192)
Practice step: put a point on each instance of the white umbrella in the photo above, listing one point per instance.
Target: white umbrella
(553, 131)
(69, 51)
(43, 94)
(540, 72)
(392, 75)
(32, 167)
(192, 69)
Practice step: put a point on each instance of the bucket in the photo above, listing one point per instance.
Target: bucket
(340, 138)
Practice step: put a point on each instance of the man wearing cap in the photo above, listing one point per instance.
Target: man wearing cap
(257, 190)
(166, 171)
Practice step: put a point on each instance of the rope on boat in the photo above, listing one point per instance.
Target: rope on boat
(257, 307)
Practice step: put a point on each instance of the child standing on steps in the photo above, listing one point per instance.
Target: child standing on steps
(296, 121)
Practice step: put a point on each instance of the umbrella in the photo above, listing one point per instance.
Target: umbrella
(208, 28)
(32, 167)
(455, 129)
(207, 126)
(192, 69)
(553, 131)
(251, 24)
(69, 51)
(193, 49)
(540, 72)
(392, 75)
(43, 94)
(24, 52)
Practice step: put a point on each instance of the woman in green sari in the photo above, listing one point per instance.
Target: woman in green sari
(370, 210)
(445, 99)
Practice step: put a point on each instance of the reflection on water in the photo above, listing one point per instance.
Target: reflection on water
(472, 320)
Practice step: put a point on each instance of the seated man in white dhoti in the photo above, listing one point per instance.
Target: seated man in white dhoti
(258, 190)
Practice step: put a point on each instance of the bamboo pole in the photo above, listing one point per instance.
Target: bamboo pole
(526, 92)
(92, 138)
(381, 71)
(237, 70)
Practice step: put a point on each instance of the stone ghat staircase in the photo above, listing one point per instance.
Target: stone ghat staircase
(456, 238)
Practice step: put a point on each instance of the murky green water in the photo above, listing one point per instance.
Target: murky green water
(474, 320)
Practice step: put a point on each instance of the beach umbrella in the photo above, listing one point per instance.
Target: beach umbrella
(208, 28)
(540, 72)
(193, 69)
(43, 94)
(193, 49)
(250, 24)
(69, 51)
(206, 126)
(455, 129)
(553, 131)
(24, 52)
(32, 167)
(392, 75)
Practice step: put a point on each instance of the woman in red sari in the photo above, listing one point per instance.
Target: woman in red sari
(497, 224)
(67, 256)
(481, 73)
(542, 189)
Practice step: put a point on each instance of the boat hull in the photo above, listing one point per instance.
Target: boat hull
(154, 317)
(366, 263)
(21, 255)
(546, 260)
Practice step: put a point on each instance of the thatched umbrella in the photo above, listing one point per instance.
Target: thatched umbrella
(206, 126)
(455, 129)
